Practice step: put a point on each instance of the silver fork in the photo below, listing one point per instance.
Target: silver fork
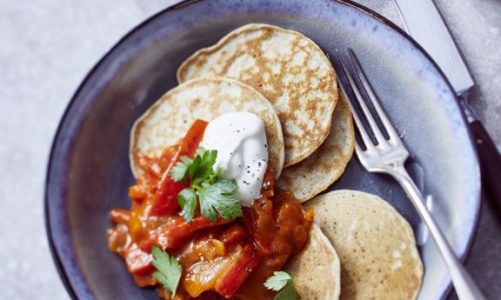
(388, 156)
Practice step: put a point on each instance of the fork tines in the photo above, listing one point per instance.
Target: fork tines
(355, 85)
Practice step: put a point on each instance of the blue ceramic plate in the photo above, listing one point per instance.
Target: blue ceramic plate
(89, 170)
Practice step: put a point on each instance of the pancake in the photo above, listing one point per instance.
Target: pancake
(316, 270)
(288, 68)
(317, 172)
(376, 245)
(166, 122)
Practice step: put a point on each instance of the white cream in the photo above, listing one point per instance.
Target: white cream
(242, 151)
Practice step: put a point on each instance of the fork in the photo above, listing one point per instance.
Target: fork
(388, 156)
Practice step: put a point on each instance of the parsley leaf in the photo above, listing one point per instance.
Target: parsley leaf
(198, 169)
(180, 169)
(221, 197)
(287, 293)
(215, 195)
(277, 281)
(187, 199)
(282, 282)
(201, 168)
(168, 270)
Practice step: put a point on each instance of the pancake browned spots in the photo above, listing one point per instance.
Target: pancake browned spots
(167, 121)
(289, 69)
(322, 168)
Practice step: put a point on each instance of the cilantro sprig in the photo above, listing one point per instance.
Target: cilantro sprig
(282, 283)
(168, 269)
(215, 195)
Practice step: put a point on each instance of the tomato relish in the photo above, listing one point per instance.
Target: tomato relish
(220, 259)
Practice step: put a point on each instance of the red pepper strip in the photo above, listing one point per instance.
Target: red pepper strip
(165, 202)
(249, 221)
(233, 235)
(231, 280)
(120, 216)
(176, 234)
(138, 262)
(172, 235)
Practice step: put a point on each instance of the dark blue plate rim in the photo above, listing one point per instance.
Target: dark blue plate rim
(55, 255)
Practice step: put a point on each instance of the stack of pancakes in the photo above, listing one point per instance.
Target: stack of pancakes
(362, 248)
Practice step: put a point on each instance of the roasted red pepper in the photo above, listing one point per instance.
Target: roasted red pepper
(219, 259)
(165, 202)
(233, 235)
(176, 234)
(258, 221)
(177, 231)
(245, 263)
(138, 262)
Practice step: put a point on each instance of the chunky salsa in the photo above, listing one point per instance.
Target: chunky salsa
(220, 259)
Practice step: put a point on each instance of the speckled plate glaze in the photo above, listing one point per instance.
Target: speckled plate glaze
(89, 172)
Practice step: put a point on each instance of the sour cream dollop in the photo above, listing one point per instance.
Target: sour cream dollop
(242, 151)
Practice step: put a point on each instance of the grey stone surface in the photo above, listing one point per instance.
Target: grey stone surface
(476, 26)
(47, 47)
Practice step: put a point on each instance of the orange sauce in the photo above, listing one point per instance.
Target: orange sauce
(225, 259)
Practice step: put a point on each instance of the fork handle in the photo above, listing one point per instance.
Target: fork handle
(466, 288)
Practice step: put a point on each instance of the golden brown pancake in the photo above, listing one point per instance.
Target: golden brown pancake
(376, 245)
(316, 270)
(317, 172)
(166, 122)
(286, 67)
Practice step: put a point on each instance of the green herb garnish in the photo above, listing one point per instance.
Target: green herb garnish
(214, 194)
(282, 283)
(168, 269)
(221, 197)
(178, 172)
(187, 199)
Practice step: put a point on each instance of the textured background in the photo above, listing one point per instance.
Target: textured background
(48, 46)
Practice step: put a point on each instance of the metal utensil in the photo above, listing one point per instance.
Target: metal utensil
(425, 24)
(387, 155)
